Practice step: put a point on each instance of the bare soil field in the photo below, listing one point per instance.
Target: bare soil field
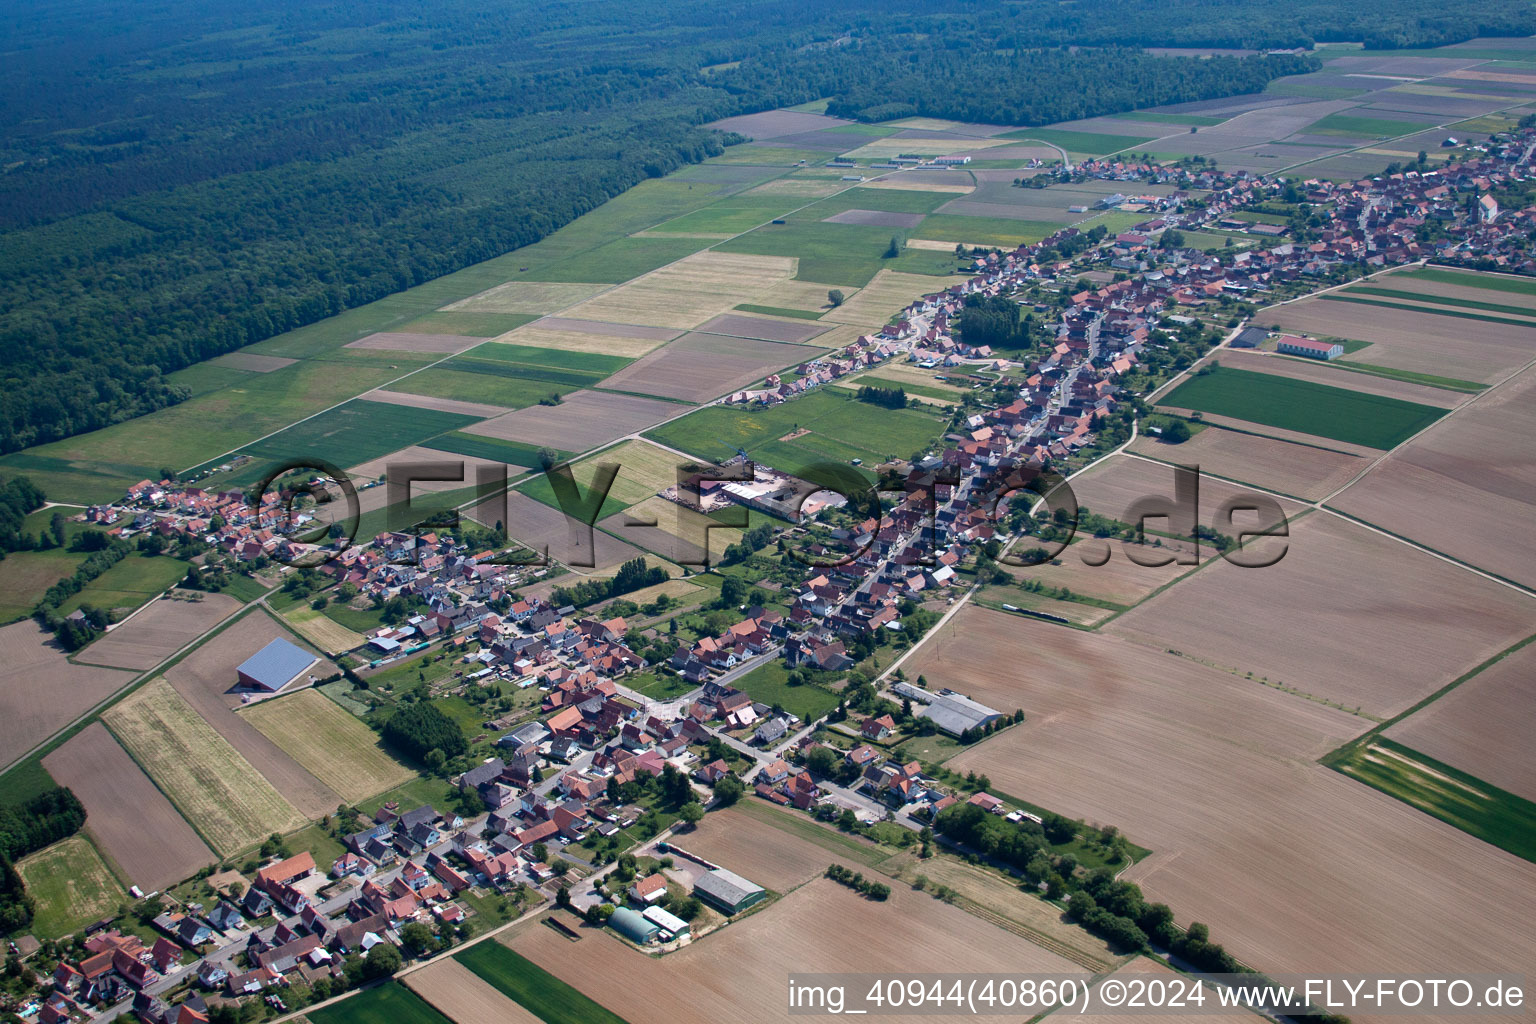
(678, 534)
(1301, 470)
(252, 362)
(879, 218)
(1323, 373)
(698, 367)
(1348, 615)
(542, 527)
(738, 972)
(585, 419)
(1114, 485)
(1203, 768)
(41, 691)
(1484, 726)
(687, 293)
(402, 396)
(763, 328)
(1146, 969)
(207, 778)
(1280, 433)
(527, 297)
(129, 818)
(887, 294)
(746, 844)
(161, 629)
(1411, 340)
(429, 344)
(1119, 580)
(334, 745)
(204, 679)
(460, 995)
(1431, 290)
(1465, 487)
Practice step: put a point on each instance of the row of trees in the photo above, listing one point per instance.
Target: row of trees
(635, 574)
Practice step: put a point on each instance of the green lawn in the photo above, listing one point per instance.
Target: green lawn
(767, 683)
(516, 453)
(129, 583)
(319, 843)
(535, 989)
(26, 575)
(731, 216)
(70, 885)
(466, 382)
(1091, 143)
(841, 428)
(1365, 127)
(949, 227)
(1264, 398)
(359, 431)
(1470, 804)
(389, 1003)
(357, 621)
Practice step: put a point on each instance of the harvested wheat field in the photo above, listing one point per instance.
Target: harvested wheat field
(159, 630)
(698, 367)
(1484, 726)
(686, 293)
(204, 679)
(887, 294)
(1294, 866)
(527, 297)
(1414, 340)
(1347, 616)
(336, 747)
(1306, 471)
(1466, 487)
(738, 972)
(324, 632)
(583, 420)
(1329, 373)
(206, 777)
(131, 820)
(463, 997)
(565, 335)
(41, 691)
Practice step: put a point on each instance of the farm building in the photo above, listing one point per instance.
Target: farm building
(669, 923)
(1291, 345)
(727, 891)
(274, 666)
(1250, 337)
(633, 926)
(954, 713)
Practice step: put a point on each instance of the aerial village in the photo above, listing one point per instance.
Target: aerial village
(592, 757)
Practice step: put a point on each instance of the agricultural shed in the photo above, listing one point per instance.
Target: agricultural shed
(633, 926)
(727, 891)
(274, 666)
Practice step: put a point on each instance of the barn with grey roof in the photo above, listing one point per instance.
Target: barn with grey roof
(274, 666)
(727, 891)
(954, 713)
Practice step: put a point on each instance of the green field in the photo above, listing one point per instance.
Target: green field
(1197, 120)
(359, 431)
(1090, 143)
(468, 323)
(926, 390)
(535, 989)
(1365, 127)
(1432, 312)
(129, 583)
(767, 683)
(847, 255)
(731, 216)
(841, 429)
(472, 385)
(474, 446)
(1441, 300)
(799, 314)
(26, 575)
(1470, 804)
(389, 1003)
(1264, 398)
(949, 227)
(71, 886)
(1487, 282)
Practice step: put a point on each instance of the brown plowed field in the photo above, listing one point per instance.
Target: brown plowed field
(130, 819)
(1305, 471)
(160, 630)
(699, 367)
(460, 995)
(585, 419)
(1348, 615)
(41, 691)
(1294, 866)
